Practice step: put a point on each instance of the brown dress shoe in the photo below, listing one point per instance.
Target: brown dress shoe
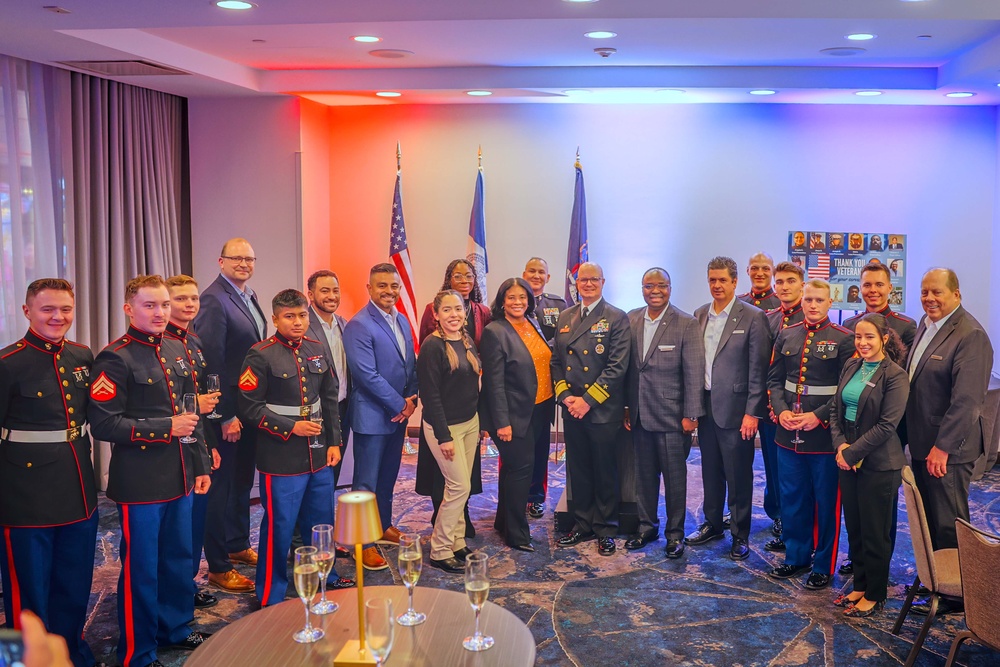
(231, 582)
(245, 557)
(372, 559)
(390, 536)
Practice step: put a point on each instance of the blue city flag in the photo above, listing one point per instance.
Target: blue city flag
(476, 246)
(578, 252)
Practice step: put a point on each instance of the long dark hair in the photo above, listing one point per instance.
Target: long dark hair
(497, 308)
(894, 347)
(476, 294)
(470, 353)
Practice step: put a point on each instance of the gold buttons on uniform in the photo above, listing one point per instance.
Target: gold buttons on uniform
(68, 397)
(65, 383)
(151, 435)
(62, 370)
(585, 369)
(571, 351)
(150, 380)
(284, 375)
(805, 351)
(28, 464)
(586, 351)
(168, 371)
(173, 395)
(72, 423)
(163, 360)
(70, 410)
(567, 369)
(39, 394)
(143, 446)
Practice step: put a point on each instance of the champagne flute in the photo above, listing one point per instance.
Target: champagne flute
(316, 417)
(306, 582)
(379, 628)
(797, 409)
(322, 539)
(212, 385)
(477, 586)
(189, 406)
(411, 561)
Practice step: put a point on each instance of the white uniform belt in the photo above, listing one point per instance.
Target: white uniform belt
(293, 410)
(810, 390)
(41, 437)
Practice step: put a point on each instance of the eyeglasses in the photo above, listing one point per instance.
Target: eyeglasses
(241, 260)
(463, 277)
(585, 281)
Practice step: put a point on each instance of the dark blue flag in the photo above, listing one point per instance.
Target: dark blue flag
(578, 252)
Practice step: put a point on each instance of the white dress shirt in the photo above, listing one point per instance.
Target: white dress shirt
(335, 339)
(930, 330)
(649, 329)
(713, 335)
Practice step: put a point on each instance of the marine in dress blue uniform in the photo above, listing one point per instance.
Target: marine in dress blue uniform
(48, 500)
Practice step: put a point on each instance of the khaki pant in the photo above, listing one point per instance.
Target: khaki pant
(449, 529)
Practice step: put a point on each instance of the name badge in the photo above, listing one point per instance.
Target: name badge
(565, 329)
(870, 383)
(937, 357)
(665, 348)
(739, 331)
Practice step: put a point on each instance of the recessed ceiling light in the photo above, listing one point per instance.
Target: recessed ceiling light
(860, 36)
(366, 38)
(600, 34)
(763, 91)
(387, 93)
(577, 91)
(234, 4)
(479, 93)
(868, 93)
(961, 94)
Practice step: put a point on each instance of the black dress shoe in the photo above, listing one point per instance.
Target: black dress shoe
(703, 535)
(605, 546)
(727, 520)
(203, 600)
(536, 510)
(787, 571)
(192, 641)
(341, 583)
(854, 612)
(462, 553)
(818, 580)
(675, 548)
(523, 547)
(945, 606)
(776, 527)
(574, 537)
(740, 549)
(450, 565)
(847, 567)
(640, 540)
(774, 545)
(922, 591)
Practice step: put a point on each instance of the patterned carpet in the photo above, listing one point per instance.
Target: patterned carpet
(634, 609)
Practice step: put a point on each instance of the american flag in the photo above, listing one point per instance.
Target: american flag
(399, 253)
(821, 270)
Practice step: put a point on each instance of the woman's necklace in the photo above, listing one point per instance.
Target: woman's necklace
(866, 376)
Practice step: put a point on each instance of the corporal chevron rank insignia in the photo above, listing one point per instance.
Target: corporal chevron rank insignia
(103, 389)
(248, 381)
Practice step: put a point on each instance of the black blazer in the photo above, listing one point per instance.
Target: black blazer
(880, 407)
(510, 383)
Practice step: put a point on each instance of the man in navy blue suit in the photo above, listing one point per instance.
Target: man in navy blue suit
(229, 323)
(379, 346)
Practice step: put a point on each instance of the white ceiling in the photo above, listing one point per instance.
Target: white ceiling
(533, 50)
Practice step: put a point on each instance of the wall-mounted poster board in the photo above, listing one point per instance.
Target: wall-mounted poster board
(838, 258)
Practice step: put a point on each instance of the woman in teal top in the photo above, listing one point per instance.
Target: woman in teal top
(870, 401)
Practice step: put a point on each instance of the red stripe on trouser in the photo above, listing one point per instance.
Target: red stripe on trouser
(265, 547)
(127, 569)
(15, 587)
(836, 531)
(815, 526)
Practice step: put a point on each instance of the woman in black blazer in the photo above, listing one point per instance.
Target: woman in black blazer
(870, 401)
(517, 402)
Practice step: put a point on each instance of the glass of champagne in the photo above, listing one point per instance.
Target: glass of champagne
(212, 385)
(379, 628)
(306, 582)
(316, 417)
(477, 586)
(797, 409)
(322, 539)
(411, 561)
(189, 406)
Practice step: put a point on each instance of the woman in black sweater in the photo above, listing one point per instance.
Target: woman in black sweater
(448, 375)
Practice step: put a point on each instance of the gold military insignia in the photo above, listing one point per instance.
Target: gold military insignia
(599, 349)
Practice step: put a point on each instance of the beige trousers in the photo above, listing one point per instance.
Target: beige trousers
(449, 529)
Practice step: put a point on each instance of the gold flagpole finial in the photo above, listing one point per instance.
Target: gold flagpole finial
(577, 163)
(480, 156)
(399, 157)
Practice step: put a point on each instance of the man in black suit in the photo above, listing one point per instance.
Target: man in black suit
(588, 368)
(229, 323)
(736, 353)
(664, 384)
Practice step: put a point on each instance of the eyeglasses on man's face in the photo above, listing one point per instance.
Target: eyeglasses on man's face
(241, 260)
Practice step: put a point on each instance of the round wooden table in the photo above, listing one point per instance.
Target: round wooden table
(265, 637)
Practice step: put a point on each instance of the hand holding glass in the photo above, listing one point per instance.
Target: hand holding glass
(316, 417)
(477, 586)
(379, 628)
(189, 406)
(797, 409)
(322, 539)
(212, 385)
(411, 560)
(306, 582)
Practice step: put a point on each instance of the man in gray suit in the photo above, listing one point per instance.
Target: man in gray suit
(737, 345)
(664, 392)
(949, 367)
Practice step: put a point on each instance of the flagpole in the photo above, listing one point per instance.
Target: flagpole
(399, 158)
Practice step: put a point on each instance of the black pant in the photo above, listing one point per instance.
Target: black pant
(726, 460)
(656, 454)
(227, 517)
(542, 444)
(592, 464)
(869, 501)
(945, 499)
(517, 460)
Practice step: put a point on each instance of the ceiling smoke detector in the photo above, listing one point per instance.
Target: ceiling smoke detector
(605, 51)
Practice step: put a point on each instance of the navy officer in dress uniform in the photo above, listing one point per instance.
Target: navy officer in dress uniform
(286, 386)
(136, 404)
(48, 501)
(589, 363)
(547, 310)
(184, 306)
(760, 268)
(805, 369)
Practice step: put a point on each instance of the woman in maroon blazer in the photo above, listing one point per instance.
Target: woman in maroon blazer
(461, 277)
